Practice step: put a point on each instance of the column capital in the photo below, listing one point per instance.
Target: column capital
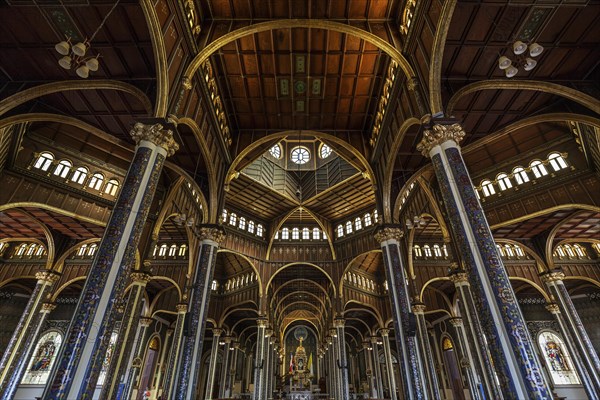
(459, 277)
(181, 308)
(144, 321)
(48, 307)
(412, 83)
(456, 322)
(227, 339)
(217, 331)
(388, 232)
(439, 134)
(339, 322)
(553, 308)
(385, 332)
(156, 134)
(418, 308)
(141, 278)
(216, 233)
(373, 339)
(268, 332)
(262, 322)
(47, 276)
(552, 276)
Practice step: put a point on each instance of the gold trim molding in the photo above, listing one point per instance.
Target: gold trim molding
(439, 134)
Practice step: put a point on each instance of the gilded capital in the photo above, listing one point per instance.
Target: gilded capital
(456, 322)
(385, 332)
(388, 233)
(144, 321)
(412, 83)
(262, 322)
(553, 308)
(187, 83)
(48, 307)
(418, 308)
(339, 322)
(140, 277)
(439, 134)
(155, 134)
(217, 331)
(214, 233)
(459, 277)
(181, 308)
(552, 276)
(47, 276)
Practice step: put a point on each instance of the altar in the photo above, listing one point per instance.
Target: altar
(303, 395)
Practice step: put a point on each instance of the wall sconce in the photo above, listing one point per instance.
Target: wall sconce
(182, 219)
(522, 59)
(416, 222)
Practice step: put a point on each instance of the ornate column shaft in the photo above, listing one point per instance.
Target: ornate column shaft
(431, 380)
(466, 361)
(188, 370)
(437, 354)
(87, 340)
(411, 370)
(580, 340)
(510, 344)
(475, 343)
(162, 361)
(385, 335)
(259, 362)
(137, 356)
(171, 370)
(212, 366)
(367, 349)
(225, 367)
(233, 369)
(126, 337)
(342, 360)
(331, 371)
(22, 342)
(377, 367)
(269, 364)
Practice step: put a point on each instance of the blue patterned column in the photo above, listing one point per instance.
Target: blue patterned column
(87, 339)
(212, 364)
(126, 337)
(411, 369)
(29, 342)
(510, 344)
(385, 335)
(259, 359)
(342, 361)
(21, 344)
(587, 358)
(466, 359)
(225, 367)
(134, 366)
(188, 370)
(475, 343)
(171, 369)
(431, 379)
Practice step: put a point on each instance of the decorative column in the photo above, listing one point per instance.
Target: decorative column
(22, 343)
(126, 337)
(466, 359)
(171, 370)
(268, 364)
(86, 342)
(342, 359)
(161, 363)
(367, 349)
(331, 371)
(233, 369)
(475, 343)
(212, 366)
(411, 370)
(377, 367)
(259, 361)
(188, 370)
(387, 351)
(137, 355)
(225, 367)
(439, 369)
(431, 380)
(510, 344)
(580, 341)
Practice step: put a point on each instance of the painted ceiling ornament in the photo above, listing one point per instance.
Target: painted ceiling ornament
(155, 134)
(439, 134)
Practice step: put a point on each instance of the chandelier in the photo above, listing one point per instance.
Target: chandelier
(524, 58)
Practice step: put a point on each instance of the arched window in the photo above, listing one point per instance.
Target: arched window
(357, 223)
(445, 250)
(276, 235)
(79, 175)
(242, 224)
(43, 359)
(560, 252)
(251, 226)
(386, 286)
(259, 230)
(111, 187)
(417, 250)
(557, 161)
(92, 250)
(96, 181)
(295, 233)
(316, 234)
(569, 250)
(213, 285)
(538, 168)
(368, 221)
(427, 250)
(488, 187)
(107, 358)
(163, 250)
(501, 250)
(340, 231)
(31, 249)
(276, 151)
(40, 251)
(325, 151)
(324, 236)
(62, 168)
(224, 215)
(580, 251)
(376, 216)
(44, 161)
(509, 251)
(182, 250)
(349, 227)
(82, 250)
(173, 250)
(233, 219)
(596, 247)
(520, 175)
(285, 234)
(503, 181)
(436, 250)
(519, 251)
(305, 233)
(21, 250)
(557, 358)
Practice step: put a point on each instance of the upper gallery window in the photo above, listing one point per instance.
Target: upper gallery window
(538, 168)
(276, 151)
(325, 151)
(520, 175)
(300, 155)
(79, 175)
(96, 181)
(62, 168)
(44, 161)
(557, 161)
(111, 187)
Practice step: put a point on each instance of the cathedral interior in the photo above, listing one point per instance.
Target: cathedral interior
(301, 199)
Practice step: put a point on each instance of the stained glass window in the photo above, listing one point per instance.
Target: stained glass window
(300, 155)
(43, 359)
(107, 358)
(557, 358)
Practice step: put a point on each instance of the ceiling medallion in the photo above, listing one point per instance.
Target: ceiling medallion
(299, 86)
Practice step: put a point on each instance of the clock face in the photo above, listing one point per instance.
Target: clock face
(300, 155)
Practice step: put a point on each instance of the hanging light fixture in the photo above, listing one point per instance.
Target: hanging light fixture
(74, 55)
(522, 59)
